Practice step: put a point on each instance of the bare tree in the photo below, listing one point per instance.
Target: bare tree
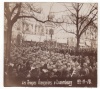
(12, 12)
(10, 21)
(22, 10)
(82, 22)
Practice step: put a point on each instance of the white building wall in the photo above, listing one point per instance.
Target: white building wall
(35, 30)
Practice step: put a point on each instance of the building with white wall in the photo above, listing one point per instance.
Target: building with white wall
(35, 31)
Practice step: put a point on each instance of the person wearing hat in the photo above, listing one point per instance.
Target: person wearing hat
(84, 70)
(69, 70)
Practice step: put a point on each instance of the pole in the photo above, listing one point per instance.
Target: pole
(50, 44)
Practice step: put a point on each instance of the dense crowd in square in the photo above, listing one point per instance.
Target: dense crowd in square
(38, 61)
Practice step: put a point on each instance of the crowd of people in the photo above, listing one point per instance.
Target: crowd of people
(35, 61)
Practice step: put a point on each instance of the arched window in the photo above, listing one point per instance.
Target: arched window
(46, 31)
(35, 29)
(39, 28)
(42, 31)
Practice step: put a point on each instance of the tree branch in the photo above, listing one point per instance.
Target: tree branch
(14, 9)
(86, 17)
(80, 6)
(24, 16)
(31, 8)
(14, 19)
(67, 31)
(72, 20)
(69, 10)
(85, 28)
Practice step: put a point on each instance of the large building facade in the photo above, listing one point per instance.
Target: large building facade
(31, 30)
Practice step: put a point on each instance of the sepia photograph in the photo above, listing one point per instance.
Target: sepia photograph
(50, 44)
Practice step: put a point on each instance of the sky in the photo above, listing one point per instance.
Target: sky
(59, 9)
